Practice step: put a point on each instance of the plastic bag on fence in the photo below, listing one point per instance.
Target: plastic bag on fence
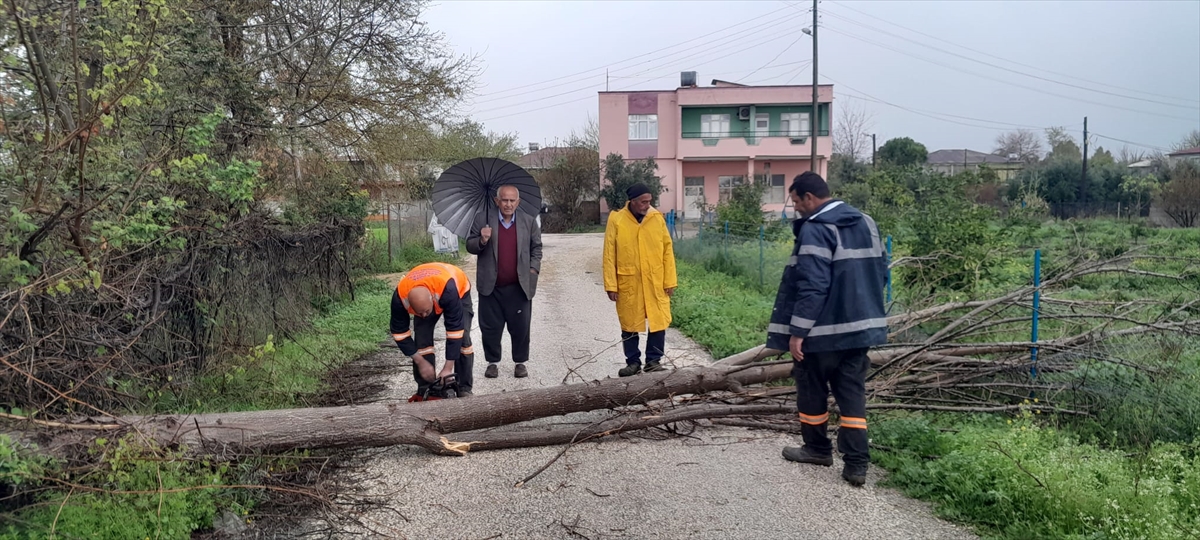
(444, 241)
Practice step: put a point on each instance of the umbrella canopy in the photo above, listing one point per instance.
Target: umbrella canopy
(467, 189)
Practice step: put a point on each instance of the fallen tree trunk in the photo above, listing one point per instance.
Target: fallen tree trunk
(431, 424)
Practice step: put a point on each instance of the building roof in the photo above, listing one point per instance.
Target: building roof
(964, 157)
(1188, 152)
(543, 158)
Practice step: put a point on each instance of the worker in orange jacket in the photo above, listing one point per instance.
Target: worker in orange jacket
(427, 293)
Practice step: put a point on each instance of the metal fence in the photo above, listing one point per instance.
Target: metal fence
(398, 225)
(754, 252)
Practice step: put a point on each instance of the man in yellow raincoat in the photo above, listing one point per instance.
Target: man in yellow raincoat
(639, 275)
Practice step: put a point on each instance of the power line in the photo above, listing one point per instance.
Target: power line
(989, 64)
(705, 36)
(1140, 145)
(931, 114)
(1189, 100)
(592, 87)
(1077, 99)
(785, 49)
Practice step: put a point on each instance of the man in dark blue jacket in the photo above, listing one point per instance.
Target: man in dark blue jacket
(828, 313)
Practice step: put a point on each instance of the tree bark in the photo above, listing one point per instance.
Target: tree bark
(432, 425)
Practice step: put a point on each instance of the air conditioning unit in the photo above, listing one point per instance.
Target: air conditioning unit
(743, 113)
(687, 79)
(799, 140)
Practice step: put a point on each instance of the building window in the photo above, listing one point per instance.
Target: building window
(725, 185)
(795, 124)
(775, 193)
(713, 126)
(762, 125)
(643, 127)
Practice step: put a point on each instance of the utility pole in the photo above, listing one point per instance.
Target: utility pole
(1083, 179)
(815, 105)
(873, 151)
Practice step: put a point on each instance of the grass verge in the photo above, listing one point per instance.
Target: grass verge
(1133, 471)
(132, 489)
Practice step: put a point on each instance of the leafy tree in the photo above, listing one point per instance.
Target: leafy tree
(743, 210)
(1102, 158)
(620, 174)
(903, 152)
(1140, 189)
(572, 179)
(1062, 145)
(844, 169)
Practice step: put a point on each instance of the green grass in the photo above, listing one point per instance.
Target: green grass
(1018, 479)
(288, 373)
(1131, 471)
(276, 374)
(724, 314)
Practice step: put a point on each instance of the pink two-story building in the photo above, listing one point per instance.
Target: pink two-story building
(706, 140)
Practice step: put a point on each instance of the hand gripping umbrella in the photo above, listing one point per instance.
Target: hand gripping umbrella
(468, 188)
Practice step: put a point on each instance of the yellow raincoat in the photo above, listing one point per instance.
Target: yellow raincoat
(639, 265)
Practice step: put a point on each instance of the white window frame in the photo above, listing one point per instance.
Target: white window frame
(714, 126)
(643, 127)
(795, 124)
(725, 185)
(762, 130)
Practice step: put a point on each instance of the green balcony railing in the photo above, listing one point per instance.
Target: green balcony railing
(751, 134)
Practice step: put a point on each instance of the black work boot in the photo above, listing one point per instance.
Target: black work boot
(653, 366)
(520, 371)
(803, 454)
(492, 371)
(630, 370)
(856, 475)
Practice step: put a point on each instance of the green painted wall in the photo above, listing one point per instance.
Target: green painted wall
(690, 119)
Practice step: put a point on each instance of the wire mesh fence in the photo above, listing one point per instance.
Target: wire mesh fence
(753, 251)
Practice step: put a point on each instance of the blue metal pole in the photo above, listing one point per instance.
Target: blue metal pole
(761, 232)
(1037, 300)
(725, 240)
(889, 269)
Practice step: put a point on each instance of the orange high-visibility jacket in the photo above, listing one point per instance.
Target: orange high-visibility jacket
(448, 284)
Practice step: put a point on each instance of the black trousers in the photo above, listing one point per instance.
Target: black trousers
(655, 343)
(844, 373)
(506, 305)
(423, 336)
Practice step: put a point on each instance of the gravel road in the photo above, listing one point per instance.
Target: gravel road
(719, 482)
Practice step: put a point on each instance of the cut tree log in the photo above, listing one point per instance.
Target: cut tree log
(432, 425)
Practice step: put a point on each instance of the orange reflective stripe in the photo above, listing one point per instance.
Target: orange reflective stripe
(814, 420)
(427, 350)
(401, 337)
(457, 334)
(468, 350)
(853, 423)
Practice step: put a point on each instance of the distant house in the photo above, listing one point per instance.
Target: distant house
(542, 158)
(956, 161)
(708, 140)
(1191, 155)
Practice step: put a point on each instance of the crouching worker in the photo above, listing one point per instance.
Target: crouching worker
(427, 293)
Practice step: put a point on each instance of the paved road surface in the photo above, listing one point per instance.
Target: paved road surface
(718, 483)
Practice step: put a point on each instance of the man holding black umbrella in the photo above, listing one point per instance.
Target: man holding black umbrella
(509, 246)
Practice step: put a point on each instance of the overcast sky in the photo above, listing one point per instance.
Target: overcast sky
(920, 68)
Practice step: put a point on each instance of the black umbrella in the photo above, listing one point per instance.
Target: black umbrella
(467, 189)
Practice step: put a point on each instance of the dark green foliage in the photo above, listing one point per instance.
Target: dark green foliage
(620, 174)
